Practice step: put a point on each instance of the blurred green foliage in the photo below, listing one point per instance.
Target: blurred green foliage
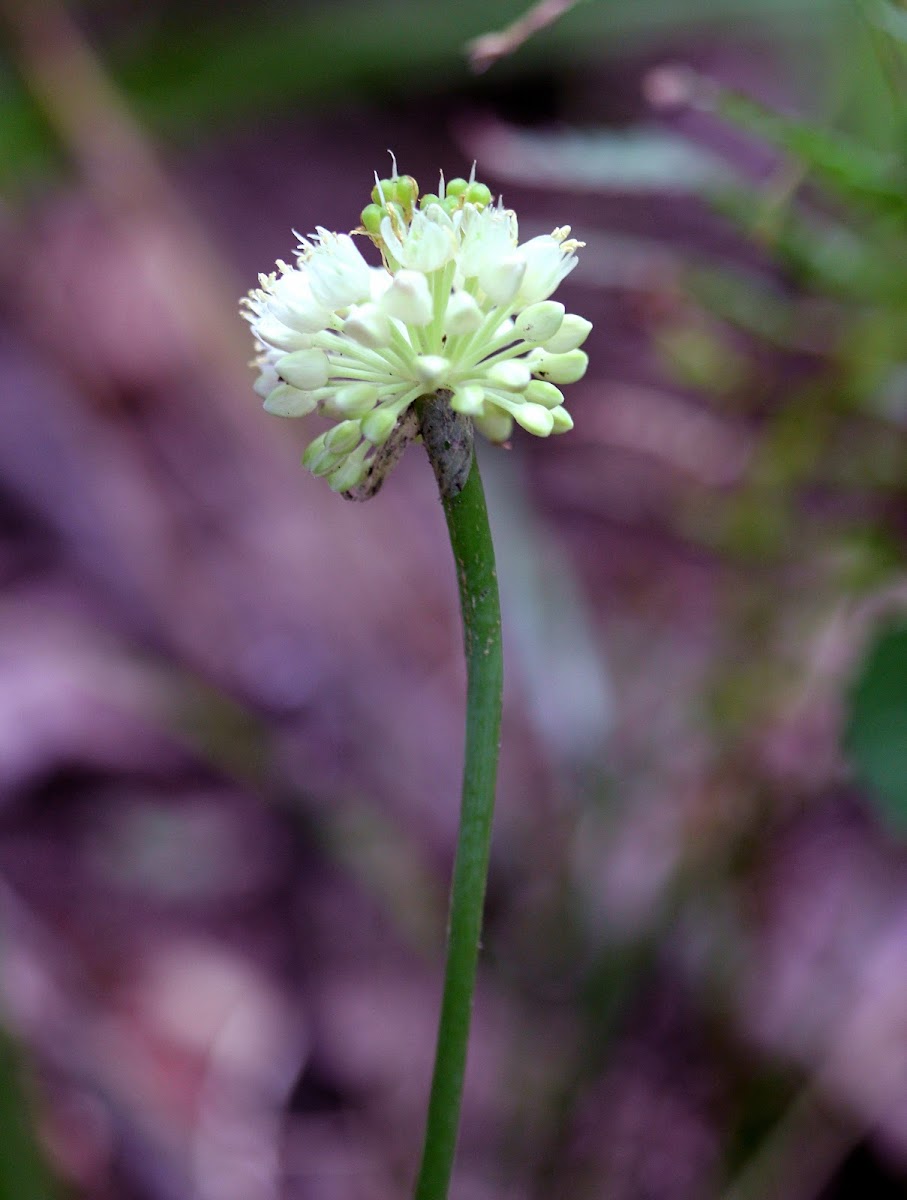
(182, 70)
(23, 1174)
(877, 729)
(825, 492)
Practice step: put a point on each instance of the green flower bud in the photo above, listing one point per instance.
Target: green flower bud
(313, 450)
(563, 422)
(546, 394)
(429, 198)
(327, 462)
(572, 333)
(456, 187)
(305, 369)
(379, 425)
(371, 218)
(287, 401)
(558, 368)
(431, 370)
(350, 472)
(343, 437)
(540, 321)
(511, 375)
(468, 400)
(497, 426)
(354, 399)
(534, 419)
(319, 458)
(450, 204)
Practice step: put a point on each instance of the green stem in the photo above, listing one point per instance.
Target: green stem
(470, 537)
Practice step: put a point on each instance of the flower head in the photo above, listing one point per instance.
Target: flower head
(458, 308)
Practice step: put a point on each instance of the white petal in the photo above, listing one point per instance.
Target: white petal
(368, 325)
(546, 266)
(287, 401)
(409, 299)
(337, 272)
(282, 337)
(305, 369)
(428, 244)
(501, 278)
(463, 314)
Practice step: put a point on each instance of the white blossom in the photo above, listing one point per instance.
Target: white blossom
(458, 307)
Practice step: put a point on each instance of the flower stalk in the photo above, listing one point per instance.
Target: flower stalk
(454, 333)
(473, 551)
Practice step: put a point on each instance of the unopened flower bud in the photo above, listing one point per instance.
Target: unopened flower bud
(546, 394)
(497, 426)
(540, 321)
(512, 375)
(318, 458)
(354, 399)
(306, 369)
(559, 368)
(343, 437)
(378, 425)
(468, 400)
(463, 314)
(431, 370)
(350, 471)
(534, 419)
(572, 333)
(563, 422)
(287, 401)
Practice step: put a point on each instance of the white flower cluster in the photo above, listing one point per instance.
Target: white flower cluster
(458, 307)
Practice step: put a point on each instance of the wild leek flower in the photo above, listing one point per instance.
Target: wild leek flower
(455, 330)
(458, 309)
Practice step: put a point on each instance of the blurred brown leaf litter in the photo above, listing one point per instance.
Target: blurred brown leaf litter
(230, 703)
